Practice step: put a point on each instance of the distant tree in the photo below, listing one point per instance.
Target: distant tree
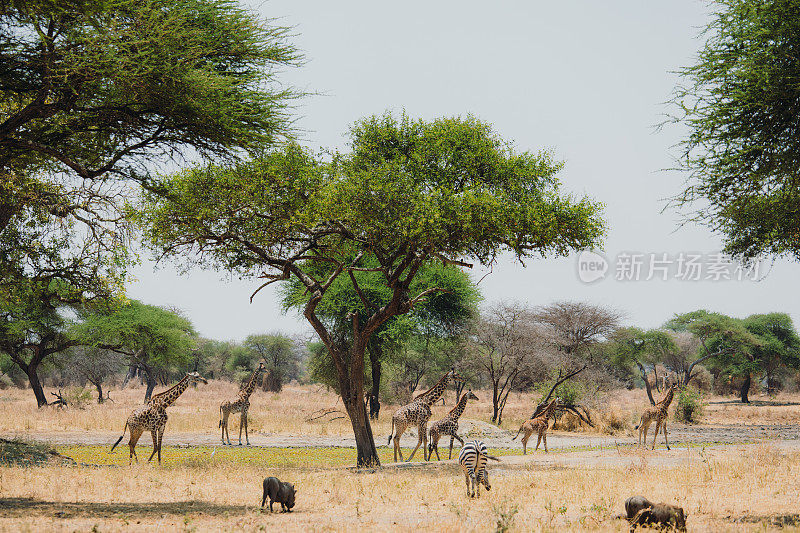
(155, 339)
(34, 325)
(721, 338)
(631, 349)
(407, 194)
(780, 345)
(280, 355)
(94, 365)
(504, 343)
(740, 104)
(579, 325)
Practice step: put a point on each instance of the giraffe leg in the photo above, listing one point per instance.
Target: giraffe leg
(450, 453)
(658, 425)
(154, 434)
(538, 441)
(525, 438)
(419, 443)
(160, 437)
(425, 444)
(544, 439)
(224, 425)
(246, 435)
(664, 426)
(241, 426)
(399, 429)
(135, 434)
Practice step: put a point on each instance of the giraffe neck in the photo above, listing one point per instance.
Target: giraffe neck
(548, 411)
(667, 399)
(458, 410)
(251, 385)
(168, 397)
(434, 393)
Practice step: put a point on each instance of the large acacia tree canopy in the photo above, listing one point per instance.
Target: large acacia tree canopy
(449, 189)
(741, 102)
(99, 86)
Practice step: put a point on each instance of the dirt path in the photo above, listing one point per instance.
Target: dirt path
(679, 434)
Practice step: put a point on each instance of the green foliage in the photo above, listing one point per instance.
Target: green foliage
(151, 335)
(740, 104)
(689, 405)
(571, 391)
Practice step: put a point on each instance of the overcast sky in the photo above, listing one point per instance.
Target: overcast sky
(584, 79)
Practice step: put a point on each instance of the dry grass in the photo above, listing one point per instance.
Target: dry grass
(288, 412)
(728, 492)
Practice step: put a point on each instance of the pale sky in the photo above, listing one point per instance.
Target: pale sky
(584, 79)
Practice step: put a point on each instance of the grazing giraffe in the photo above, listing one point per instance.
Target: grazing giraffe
(418, 412)
(449, 426)
(152, 417)
(659, 413)
(538, 424)
(472, 458)
(240, 405)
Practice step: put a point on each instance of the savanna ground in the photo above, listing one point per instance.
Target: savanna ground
(738, 470)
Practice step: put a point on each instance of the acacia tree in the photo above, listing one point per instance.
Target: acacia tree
(504, 343)
(280, 355)
(721, 337)
(632, 348)
(407, 193)
(780, 344)
(154, 339)
(33, 326)
(94, 96)
(579, 325)
(740, 104)
(441, 315)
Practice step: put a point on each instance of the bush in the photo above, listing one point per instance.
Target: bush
(702, 379)
(690, 405)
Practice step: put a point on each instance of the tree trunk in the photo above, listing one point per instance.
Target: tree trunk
(646, 383)
(351, 385)
(151, 384)
(746, 389)
(374, 402)
(99, 386)
(36, 385)
(495, 403)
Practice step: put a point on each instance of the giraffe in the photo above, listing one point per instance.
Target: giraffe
(239, 405)
(659, 413)
(538, 424)
(152, 417)
(419, 412)
(449, 426)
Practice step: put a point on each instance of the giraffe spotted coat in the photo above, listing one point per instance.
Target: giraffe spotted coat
(449, 426)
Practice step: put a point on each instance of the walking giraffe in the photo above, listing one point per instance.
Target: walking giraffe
(659, 413)
(449, 426)
(418, 412)
(240, 405)
(538, 424)
(152, 417)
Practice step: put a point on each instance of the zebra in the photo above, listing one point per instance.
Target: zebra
(472, 458)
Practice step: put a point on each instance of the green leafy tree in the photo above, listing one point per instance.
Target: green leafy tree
(630, 349)
(34, 325)
(722, 339)
(280, 355)
(780, 344)
(740, 104)
(442, 315)
(156, 340)
(407, 194)
(95, 95)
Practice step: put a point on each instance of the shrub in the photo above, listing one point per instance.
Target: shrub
(689, 406)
